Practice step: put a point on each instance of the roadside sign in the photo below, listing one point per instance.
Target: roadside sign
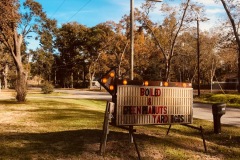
(145, 105)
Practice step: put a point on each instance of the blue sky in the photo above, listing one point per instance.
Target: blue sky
(87, 12)
(93, 12)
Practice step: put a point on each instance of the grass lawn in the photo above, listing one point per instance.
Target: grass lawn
(56, 128)
(231, 99)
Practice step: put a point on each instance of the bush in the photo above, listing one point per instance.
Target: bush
(47, 88)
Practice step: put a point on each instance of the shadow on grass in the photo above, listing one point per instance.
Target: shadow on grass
(10, 101)
(74, 144)
(64, 144)
(78, 144)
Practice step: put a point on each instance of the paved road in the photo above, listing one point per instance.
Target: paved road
(204, 111)
(201, 111)
(85, 94)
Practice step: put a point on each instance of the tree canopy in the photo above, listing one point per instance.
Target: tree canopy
(74, 55)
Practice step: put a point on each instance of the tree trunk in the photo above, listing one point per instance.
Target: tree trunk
(72, 80)
(21, 86)
(167, 69)
(91, 76)
(5, 76)
(84, 75)
(21, 81)
(238, 70)
(90, 82)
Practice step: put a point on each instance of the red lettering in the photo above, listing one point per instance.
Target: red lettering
(142, 91)
(154, 109)
(151, 92)
(164, 118)
(165, 110)
(150, 110)
(149, 101)
(157, 92)
(133, 110)
(154, 118)
(160, 109)
(139, 110)
(158, 119)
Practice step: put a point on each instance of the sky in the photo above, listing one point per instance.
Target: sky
(93, 12)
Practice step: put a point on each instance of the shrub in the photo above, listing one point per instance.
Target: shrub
(47, 88)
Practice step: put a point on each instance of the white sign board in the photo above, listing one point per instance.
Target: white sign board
(145, 105)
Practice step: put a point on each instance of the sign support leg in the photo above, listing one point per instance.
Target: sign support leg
(197, 128)
(135, 144)
(204, 143)
(169, 129)
(105, 130)
(131, 134)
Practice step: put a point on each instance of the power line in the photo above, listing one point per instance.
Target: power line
(58, 8)
(79, 10)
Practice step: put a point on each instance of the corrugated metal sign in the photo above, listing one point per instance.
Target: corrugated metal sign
(143, 105)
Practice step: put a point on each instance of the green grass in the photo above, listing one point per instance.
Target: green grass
(60, 128)
(232, 100)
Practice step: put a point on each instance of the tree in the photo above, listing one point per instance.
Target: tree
(13, 37)
(42, 62)
(70, 41)
(170, 30)
(115, 53)
(98, 39)
(209, 59)
(184, 62)
(232, 8)
(146, 57)
(229, 64)
(12, 41)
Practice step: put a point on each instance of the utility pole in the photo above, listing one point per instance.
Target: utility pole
(132, 52)
(132, 36)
